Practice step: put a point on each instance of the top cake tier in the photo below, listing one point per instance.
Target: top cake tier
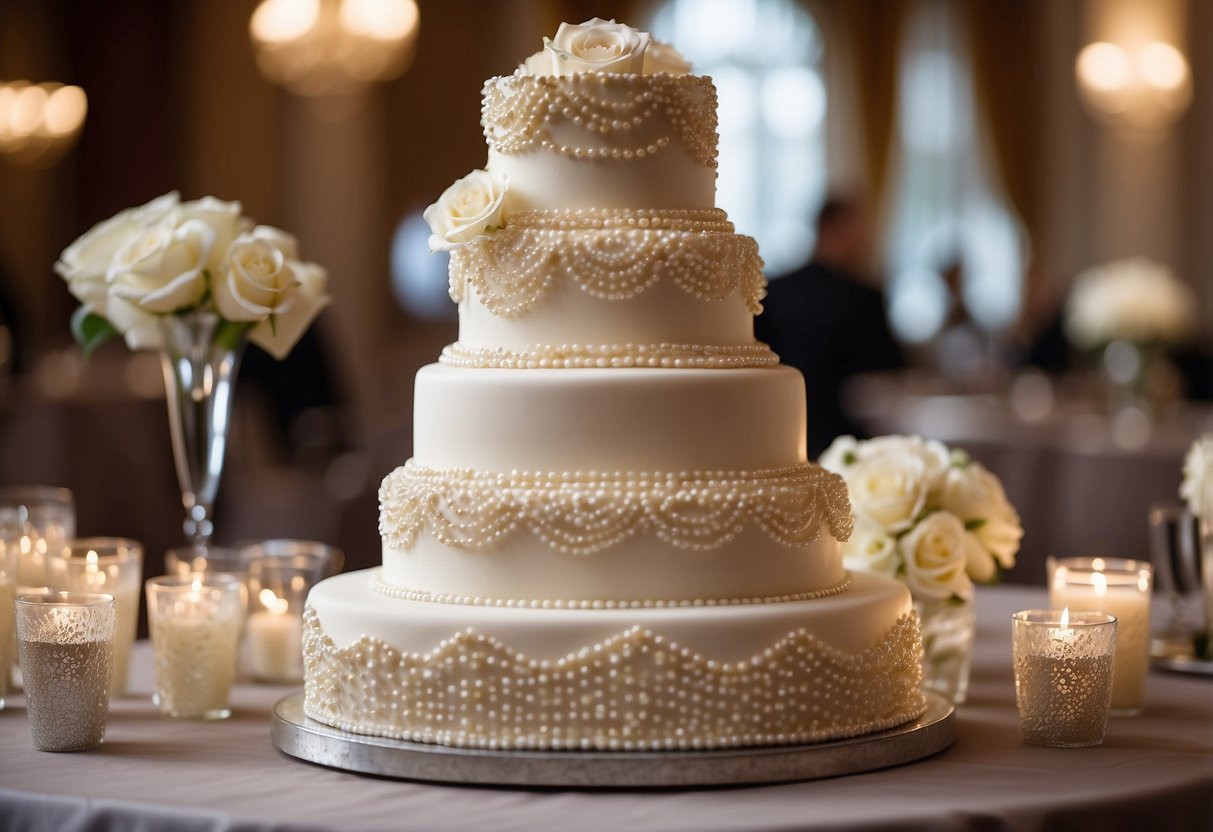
(603, 140)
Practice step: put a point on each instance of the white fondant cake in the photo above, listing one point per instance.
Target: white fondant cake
(609, 535)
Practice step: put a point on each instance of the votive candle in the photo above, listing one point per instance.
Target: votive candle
(1121, 588)
(1063, 675)
(195, 623)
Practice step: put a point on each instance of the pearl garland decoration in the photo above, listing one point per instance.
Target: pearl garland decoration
(571, 356)
(586, 512)
(518, 113)
(635, 691)
(512, 269)
(406, 594)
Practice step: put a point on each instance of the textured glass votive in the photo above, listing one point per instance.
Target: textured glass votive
(66, 641)
(281, 573)
(1121, 588)
(1063, 675)
(47, 517)
(9, 548)
(110, 565)
(195, 624)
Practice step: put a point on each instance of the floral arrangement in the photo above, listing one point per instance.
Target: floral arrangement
(473, 206)
(1198, 468)
(1133, 300)
(170, 257)
(925, 515)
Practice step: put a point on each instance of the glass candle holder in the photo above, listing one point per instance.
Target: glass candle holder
(1121, 588)
(10, 547)
(187, 560)
(195, 625)
(66, 641)
(47, 517)
(278, 586)
(1063, 675)
(110, 565)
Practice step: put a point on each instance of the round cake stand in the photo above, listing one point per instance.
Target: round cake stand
(295, 734)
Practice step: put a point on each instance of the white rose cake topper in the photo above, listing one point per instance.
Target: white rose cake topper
(929, 517)
(170, 257)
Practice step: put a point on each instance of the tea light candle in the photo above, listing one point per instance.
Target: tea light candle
(1122, 589)
(195, 626)
(275, 640)
(1063, 675)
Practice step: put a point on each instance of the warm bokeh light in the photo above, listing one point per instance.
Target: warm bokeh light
(279, 21)
(1142, 88)
(1103, 66)
(39, 122)
(380, 19)
(1163, 66)
(333, 47)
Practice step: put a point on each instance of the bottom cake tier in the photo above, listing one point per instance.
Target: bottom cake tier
(611, 679)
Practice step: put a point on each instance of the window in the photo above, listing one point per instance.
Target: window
(946, 212)
(765, 58)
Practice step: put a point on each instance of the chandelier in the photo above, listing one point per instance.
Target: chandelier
(39, 122)
(333, 47)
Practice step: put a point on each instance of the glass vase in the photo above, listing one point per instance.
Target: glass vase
(200, 368)
(947, 641)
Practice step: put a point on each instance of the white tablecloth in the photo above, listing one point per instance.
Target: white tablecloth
(1153, 772)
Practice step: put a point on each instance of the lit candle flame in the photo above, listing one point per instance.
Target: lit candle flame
(1065, 618)
(272, 602)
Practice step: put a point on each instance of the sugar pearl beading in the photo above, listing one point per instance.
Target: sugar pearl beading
(572, 356)
(607, 111)
(406, 594)
(584, 512)
(634, 691)
(513, 268)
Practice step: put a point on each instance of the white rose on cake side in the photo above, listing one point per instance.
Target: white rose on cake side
(470, 208)
(597, 46)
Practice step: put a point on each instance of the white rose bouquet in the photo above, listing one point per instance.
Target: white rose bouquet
(170, 257)
(925, 515)
(1133, 300)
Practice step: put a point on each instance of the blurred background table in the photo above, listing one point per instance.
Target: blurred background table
(153, 774)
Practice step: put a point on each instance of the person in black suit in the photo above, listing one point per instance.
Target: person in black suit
(823, 321)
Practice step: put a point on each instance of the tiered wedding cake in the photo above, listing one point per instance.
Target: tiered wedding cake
(609, 536)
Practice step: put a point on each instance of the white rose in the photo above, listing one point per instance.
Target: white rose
(466, 210)
(662, 57)
(255, 280)
(936, 552)
(1198, 466)
(871, 550)
(841, 453)
(160, 269)
(976, 496)
(597, 46)
(85, 262)
(540, 64)
(222, 218)
(888, 491)
(279, 333)
(933, 453)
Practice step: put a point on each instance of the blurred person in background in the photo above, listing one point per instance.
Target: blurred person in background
(829, 323)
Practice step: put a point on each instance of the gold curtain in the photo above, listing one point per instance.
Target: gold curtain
(873, 31)
(1007, 55)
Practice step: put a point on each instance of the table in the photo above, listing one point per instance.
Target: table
(1153, 771)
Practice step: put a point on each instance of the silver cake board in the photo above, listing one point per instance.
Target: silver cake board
(295, 734)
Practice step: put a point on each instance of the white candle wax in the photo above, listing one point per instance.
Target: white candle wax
(1130, 603)
(195, 653)
(276, 646)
